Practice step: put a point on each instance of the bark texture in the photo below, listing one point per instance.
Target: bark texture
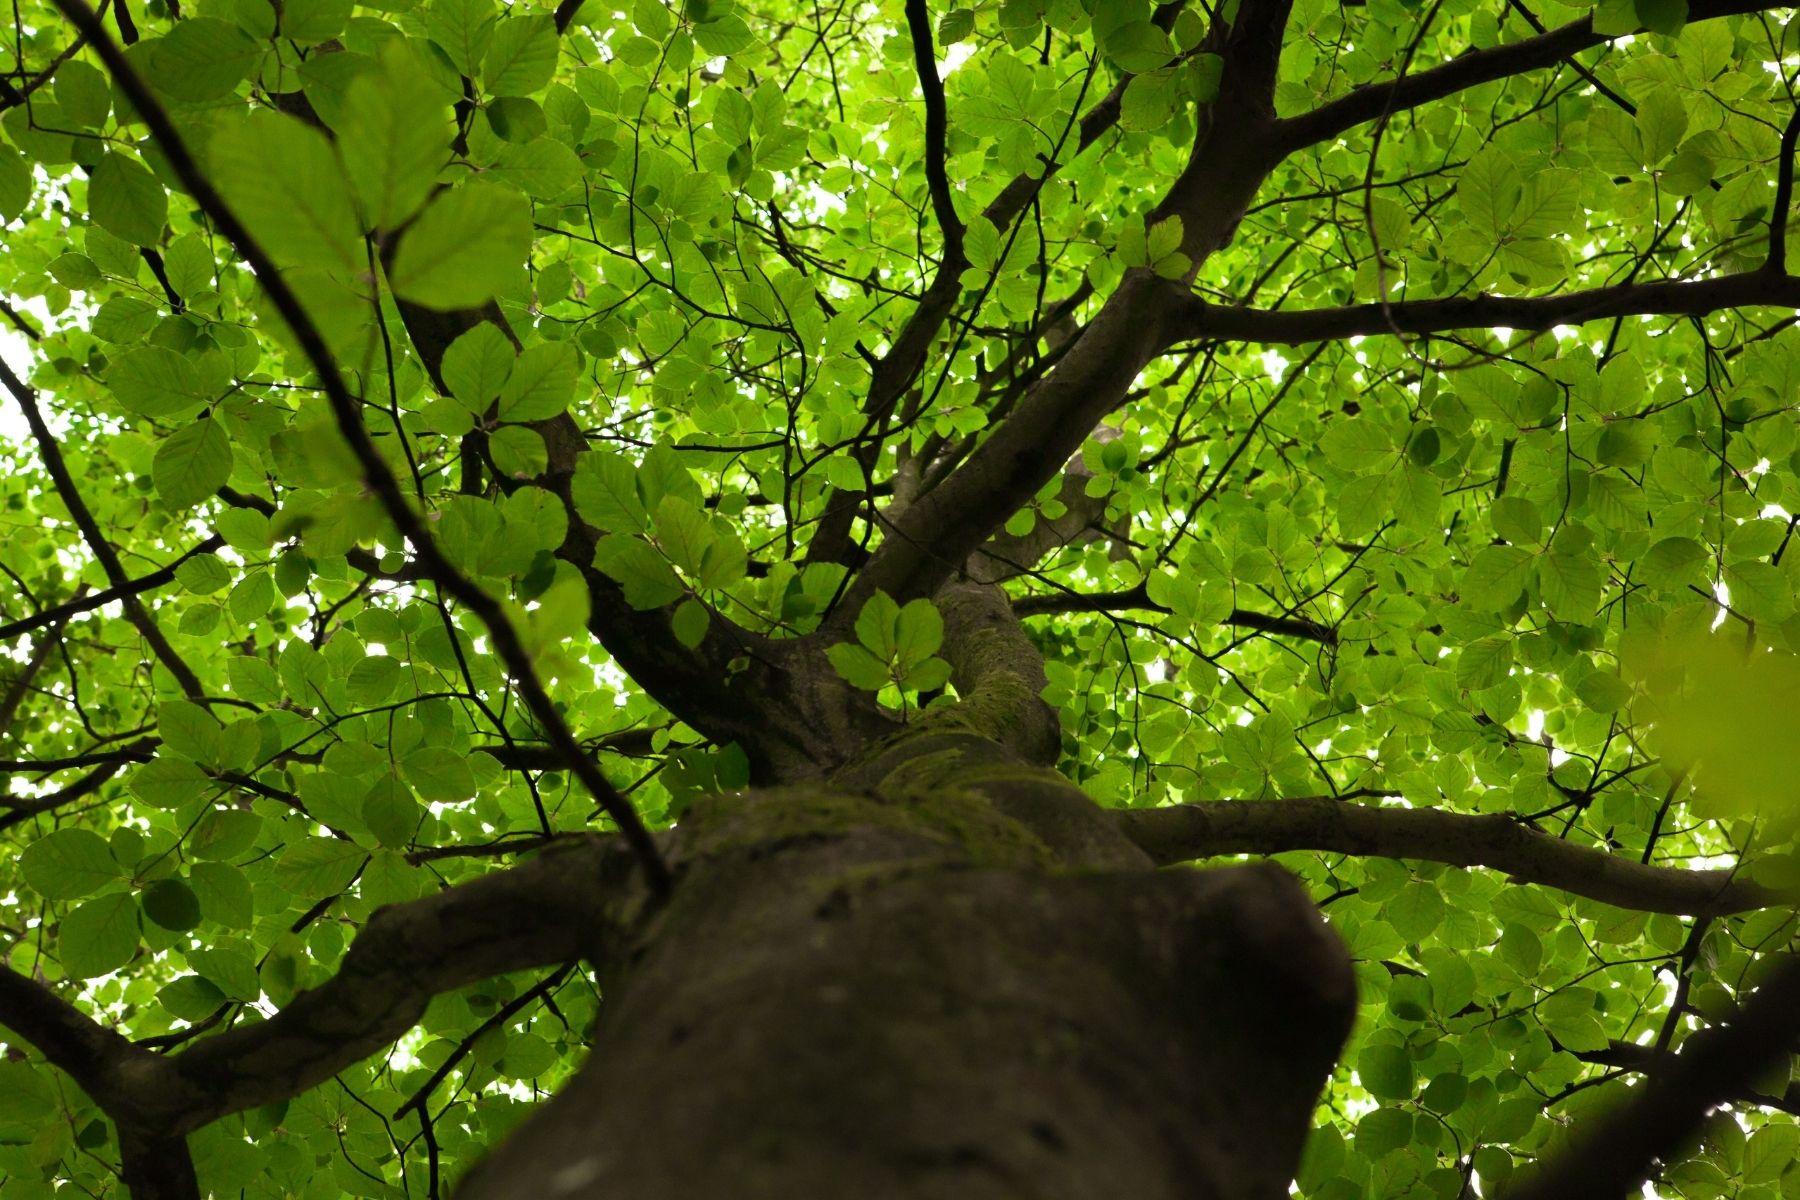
(905, 992)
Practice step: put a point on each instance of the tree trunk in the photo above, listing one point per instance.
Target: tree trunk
(943, 974)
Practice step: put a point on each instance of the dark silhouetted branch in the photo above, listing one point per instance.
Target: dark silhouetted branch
(1139, 597)
(1692, 298)
(134, 587)
(1208, 829)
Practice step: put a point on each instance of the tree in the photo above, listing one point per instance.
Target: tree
(629, 604)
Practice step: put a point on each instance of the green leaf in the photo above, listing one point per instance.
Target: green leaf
(690, 622)
(1386, 1072)
(1358, 445)
(858, 667)
(188, 730)
(605, 491)
(542, 168)
(314, 20)
(1137, 46)
(1150, 101)
(168, 783)
(1571, 575)
(918, 632)
(1416, 911)
(192, 464)
(229, 968)
(1162, 239)
(172, 904)
(1496, 576)
(439, 776)
(1484, 663)
(1672, 563)
(202, 58)
(542, 383)
(68, 864)
(465, 248)
(926, 676)
(522, 57)
(16, 183)
(282, 179)
(84, 93)
(477, 365)
(463, 28)
(390, 811)
(373, 678)
(518, 452)
(191, 998)
(224, 833)
(955, 25)
(318, 866)
(203, 574)
(127, 202)
(877, 626)
(254, 680)
(394, 137)
(99, 936)
(646, 577)
(1662, 122)
(725, 36)
(154, 382)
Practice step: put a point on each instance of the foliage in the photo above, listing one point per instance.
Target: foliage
(1409, 562)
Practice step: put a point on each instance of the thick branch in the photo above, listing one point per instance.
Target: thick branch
(552, 909)
(1139, 597)
(376, 473)
(998, 672)
(1371, 101)
(1693, 298)
(157, 1168)
(71, 1040)
(1620, 1152)
(1189, 831)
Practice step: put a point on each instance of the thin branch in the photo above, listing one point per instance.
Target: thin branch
(132, 587)
(377, 476)
(1784, 197)
(1139, 597)
(1206, 829)
(22, 808)
(937, 129)
(18, 321)
(83, 517)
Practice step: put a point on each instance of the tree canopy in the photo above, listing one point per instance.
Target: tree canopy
(442, 430)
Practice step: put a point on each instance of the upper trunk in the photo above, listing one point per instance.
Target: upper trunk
(943, 974)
